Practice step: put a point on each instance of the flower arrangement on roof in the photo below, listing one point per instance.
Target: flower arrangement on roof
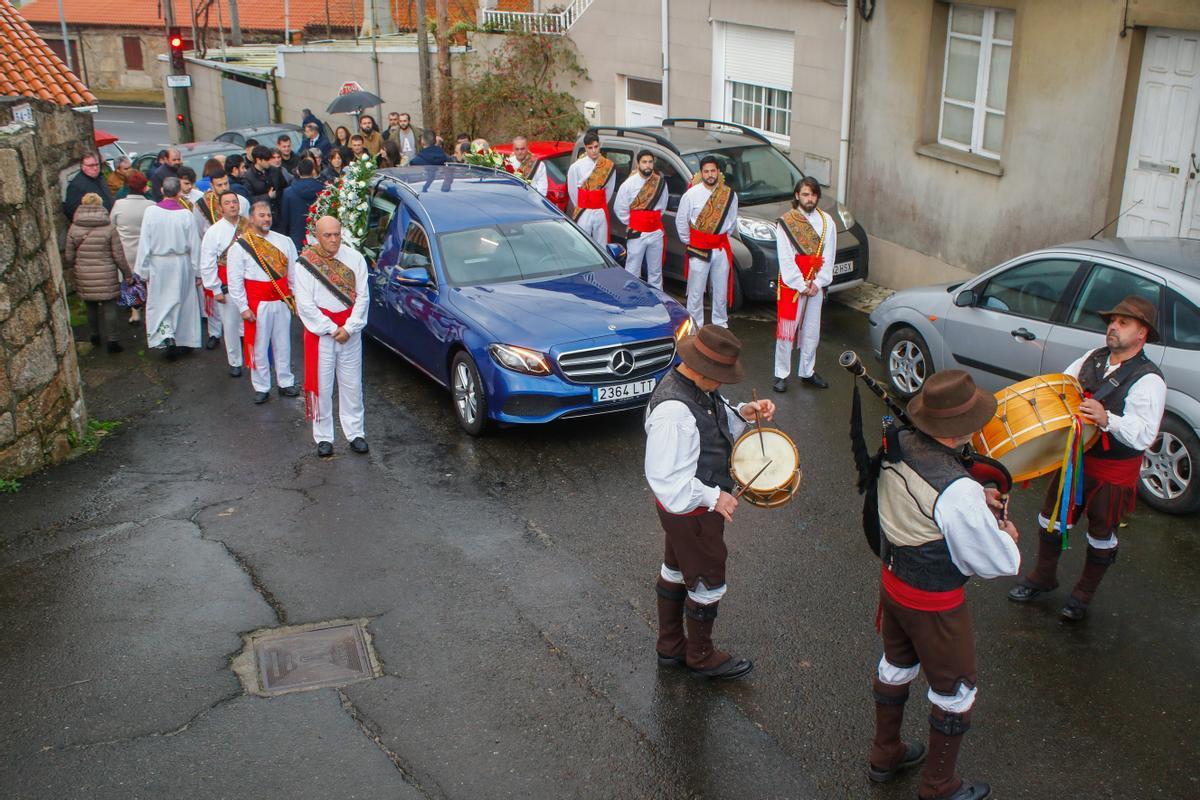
(346, 199)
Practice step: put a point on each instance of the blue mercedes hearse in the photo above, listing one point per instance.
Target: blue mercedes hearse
(488, 289)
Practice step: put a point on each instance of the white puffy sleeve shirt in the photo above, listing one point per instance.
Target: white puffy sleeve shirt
(977, 545)
(788, 270)
(1137, 426)
(672, 454)
(312, 296)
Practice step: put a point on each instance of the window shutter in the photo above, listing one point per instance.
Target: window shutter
(759, 56)
(133, 53)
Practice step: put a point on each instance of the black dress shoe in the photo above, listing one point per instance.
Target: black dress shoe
(731, 670)
(968, 791)
(1023, 592)
(359, 445)
(780, 385)
(261, 397)
(1074, 610)
(914, 755)
(235, 372)
(172, 350)
(816, 381)
(115, 347)
(289, 391)
(212, 343)
(324, 449)
(670, 661)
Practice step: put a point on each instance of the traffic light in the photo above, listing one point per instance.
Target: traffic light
(175, 43)
(179, 120)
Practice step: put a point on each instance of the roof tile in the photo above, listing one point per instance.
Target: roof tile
(29, 68)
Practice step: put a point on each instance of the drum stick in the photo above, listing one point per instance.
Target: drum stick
(750, 482)
(758, 421)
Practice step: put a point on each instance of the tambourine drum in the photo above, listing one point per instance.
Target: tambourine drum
(1033, 421)
(779, 482)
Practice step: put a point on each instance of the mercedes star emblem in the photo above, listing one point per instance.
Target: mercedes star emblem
(621, 362)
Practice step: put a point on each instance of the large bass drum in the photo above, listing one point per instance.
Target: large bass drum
(1033, 421)
(778, 483)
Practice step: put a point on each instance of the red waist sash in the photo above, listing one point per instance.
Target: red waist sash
(1123, 472)
(919, 599)
(258, 292)
(699, 511)
(595, 198)
(712, 241)
(312, 362)
(644, 221)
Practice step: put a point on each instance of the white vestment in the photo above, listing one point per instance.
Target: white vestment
(593, 220)
(715, 271)
(807, 337)
(227, 317)
(339, 364)
(647, 247)
(169, 260)
(272, 333)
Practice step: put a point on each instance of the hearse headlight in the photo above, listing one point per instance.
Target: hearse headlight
(519, 359)
(685, 329)
(845, 216)
(755, 228)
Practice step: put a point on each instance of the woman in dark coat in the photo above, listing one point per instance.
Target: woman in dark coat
(94, 249)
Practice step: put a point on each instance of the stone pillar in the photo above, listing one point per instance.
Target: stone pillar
(41, 400)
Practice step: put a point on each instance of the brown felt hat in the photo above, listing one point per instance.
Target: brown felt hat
(713, 352)
(1138, 308)
(951, 405)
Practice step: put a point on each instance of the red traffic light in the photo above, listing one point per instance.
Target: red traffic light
(179, 118)
(176, 41)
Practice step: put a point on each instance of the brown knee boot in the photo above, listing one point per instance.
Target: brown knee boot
(703, 659)
(940, 777)
(1045, 571)
(888, 753)
(1095, 565)
(672, 644)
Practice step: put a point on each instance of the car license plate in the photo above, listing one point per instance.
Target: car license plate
(622, 391)
(843, 268)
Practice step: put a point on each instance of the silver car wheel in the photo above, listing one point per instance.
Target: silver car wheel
(1167, 467)
(465, 394)
(906, 365)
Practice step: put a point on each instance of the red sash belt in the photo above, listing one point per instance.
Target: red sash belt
(919, 599)
(787, 299)
(210, 302)
(644, 221)
(312, 361)
(595, 198)
(712, 241)
(699, 511)
(259, 292)
(1123, 472)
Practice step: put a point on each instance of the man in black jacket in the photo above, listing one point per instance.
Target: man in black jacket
(430, 154)
(289, 160)
(266, 183)
(297, 199)
(235, 168)
(168, 169)
(88, 180)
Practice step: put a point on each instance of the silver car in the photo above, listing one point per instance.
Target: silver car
(1037, 313)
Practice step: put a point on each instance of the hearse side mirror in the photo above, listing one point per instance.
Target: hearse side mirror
(617, 252)
(965, 298)
(413, 276)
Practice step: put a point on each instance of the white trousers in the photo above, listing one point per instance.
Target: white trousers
(340, 365)
(226, 325)
(807, 338)
(714, 275)
(649, 248)
(273, 333)
(594, 224)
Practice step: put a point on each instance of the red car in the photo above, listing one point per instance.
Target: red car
(557, 156)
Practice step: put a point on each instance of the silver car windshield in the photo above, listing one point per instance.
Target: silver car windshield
(516, 252)
(758, 173)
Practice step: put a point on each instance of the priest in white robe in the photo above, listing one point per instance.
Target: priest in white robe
(168, 259)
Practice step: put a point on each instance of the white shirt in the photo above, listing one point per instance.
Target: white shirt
(690, 206)
(539, 181)
(628, 193)
(1138, 426)
(242, 267)
(243, 209)
(672, 453)
(977, 545)
(216, 240)
(579, 172)
(312, 295)
(788, 270)
(167, 233)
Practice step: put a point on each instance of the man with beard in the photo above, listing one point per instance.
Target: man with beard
(524, 163)
(167, 169)
(288, 159)
(706, 216)
(401, 131)
(223, 314)
(1125, 398)
(372, 139)
(640, 203)
(806, 242)
(168, 258)
(261, 265)
(590, 184)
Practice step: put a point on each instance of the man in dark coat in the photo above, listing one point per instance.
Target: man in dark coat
(297, 199)
(235, 168)
(430, 154)
(169, 169)
(88, 180)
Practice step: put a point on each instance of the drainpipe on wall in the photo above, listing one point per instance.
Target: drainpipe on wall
(847, 96)
(666, 58)
(276, 105)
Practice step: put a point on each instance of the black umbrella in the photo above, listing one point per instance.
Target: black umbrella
(353, 102)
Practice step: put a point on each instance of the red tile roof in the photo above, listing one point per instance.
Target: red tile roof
(29, 68)
(264, 15)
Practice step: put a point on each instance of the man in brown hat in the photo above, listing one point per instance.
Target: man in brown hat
(936, 530)
(690, 431)
(1124, 397)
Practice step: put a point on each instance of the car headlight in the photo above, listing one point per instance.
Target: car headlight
(845, 216)
(755, 228)
(685, 329)
(518, 359)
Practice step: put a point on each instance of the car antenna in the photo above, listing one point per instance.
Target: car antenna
(1114, 219)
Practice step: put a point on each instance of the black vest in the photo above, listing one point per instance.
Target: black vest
(716, 441)
(1112, 391)
(927, 566)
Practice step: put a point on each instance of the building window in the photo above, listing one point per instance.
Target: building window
(975, 79)
(760, 107)
(133, 53)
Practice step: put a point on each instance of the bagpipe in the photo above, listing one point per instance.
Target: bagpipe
(985, 470)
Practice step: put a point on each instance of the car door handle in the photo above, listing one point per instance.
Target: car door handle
(1023, 333)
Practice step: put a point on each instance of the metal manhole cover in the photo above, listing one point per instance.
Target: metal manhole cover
(308, 659)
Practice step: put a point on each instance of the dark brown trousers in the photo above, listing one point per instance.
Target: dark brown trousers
(1105, 506)
(695, 546)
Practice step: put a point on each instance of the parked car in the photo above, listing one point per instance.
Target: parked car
(764, 179)
(194, 155)
(492, 293)
(1036, 313)
(266, 135)
(557, 157)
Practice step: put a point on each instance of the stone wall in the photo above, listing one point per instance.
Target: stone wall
(42, 412)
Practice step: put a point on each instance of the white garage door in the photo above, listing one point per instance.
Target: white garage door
(754, 77)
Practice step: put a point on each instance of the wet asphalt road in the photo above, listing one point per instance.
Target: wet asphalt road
(508, 581)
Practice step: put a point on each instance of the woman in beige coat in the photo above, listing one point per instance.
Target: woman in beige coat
(126, 216)
(94, 250)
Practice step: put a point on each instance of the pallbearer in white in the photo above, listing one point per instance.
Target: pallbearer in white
(223, 313)
(527, 165)
(706, 216)
(590, 182)
(169, 260)
(208, 211)
(640, 204)
(260, 274)
(806, 242)
(331, 300)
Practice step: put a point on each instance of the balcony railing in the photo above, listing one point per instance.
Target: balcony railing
(551, 22)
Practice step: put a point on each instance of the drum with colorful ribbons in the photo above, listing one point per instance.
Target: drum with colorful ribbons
(766, 467)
